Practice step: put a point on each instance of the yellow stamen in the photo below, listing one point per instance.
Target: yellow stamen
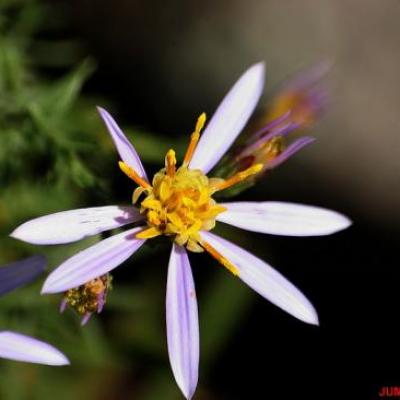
(192, 245)
(220, 258)
(148, 233)
(152, 204)
(239, 177)
(194, 138)
(137, 193)
(179, 203)
(131, 173)
(154, 218)
(170, 163)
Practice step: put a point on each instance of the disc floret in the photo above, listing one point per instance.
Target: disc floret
(180, 205)
(179, 202)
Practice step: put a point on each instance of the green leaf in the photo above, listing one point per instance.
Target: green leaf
(65, 93)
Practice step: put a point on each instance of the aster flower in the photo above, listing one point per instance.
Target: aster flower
(15, 346)
(269, 146)
(179, 204)
(295, 108)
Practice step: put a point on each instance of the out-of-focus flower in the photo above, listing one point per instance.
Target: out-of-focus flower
(15, 346)
(294, 109)
(269, 146)
(303, 97)
(179, 205)
(88, 298)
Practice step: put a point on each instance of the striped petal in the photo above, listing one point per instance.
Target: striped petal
(229, 119)
(265, 280)
(70, 226)
(125, 149)
(93, 262)
(182, 322)
(287, 219)
(15, 346)
(20, 273)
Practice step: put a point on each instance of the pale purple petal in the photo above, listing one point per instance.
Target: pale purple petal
(269, 129)
(282, 130)
(20, 273)
(265, 280)
(93, 262)
(70, 226)
(182, 322)
(85, 318)
(307, 79)
(15, 346)
(229, 119)
(125, 149)
(287, 219)
(63, 305)
(292, 149)
(101, 301)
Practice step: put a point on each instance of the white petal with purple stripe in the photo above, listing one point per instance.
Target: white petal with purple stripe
(93, 262)
(18, 347)
(182, 322)
(265, 280)
(125, 149)
(287, 219)
(229, 119)
(70, 226)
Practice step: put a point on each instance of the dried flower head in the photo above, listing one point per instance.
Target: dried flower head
(88, 298)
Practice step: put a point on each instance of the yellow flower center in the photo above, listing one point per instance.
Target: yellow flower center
(180, 205)
(179, 202)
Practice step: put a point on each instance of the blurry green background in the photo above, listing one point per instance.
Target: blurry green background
(156, 66)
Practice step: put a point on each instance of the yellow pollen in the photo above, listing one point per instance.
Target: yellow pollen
(179, 205)
(220, 258)
(131, 173)
(148, 233)
(179, 202)
(170, 163)
(239, 177)
(194, 139)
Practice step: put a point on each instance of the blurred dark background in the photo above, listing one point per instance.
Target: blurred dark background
(157, 66)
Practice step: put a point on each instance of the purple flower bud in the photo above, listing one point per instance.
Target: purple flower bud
(295, 108)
